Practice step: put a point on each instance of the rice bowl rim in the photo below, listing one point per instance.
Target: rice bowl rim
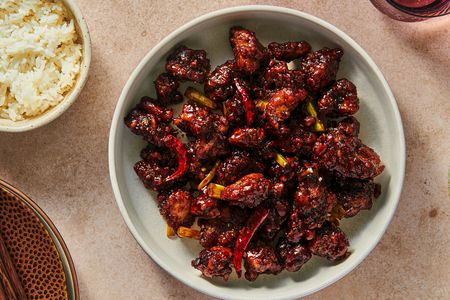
(7, 125)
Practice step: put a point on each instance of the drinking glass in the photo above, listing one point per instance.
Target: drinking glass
(413, 10)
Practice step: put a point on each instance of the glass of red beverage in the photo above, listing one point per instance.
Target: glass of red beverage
(413, 10)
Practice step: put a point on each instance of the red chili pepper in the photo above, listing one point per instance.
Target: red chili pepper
(176, 145)
(249, 106)
(246, 235)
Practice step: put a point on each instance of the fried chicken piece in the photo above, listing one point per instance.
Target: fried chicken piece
(299, 141)
(204, 151)
(247, 137)
(249, 191)
(261, 260)
(223, 230)
(154, 176)
(214, 262)
(339, 100)
(297, 228)
(349, 126)
(188, 64)
(176, 208)
(199, 120)
(159, 156)
(277, 192)
(248, 51)
(234, 111)
(150, 121)
(313, 201)
(194, 119)
(275, 77)
(147, 125)
(237, 165)
(197, 168)
(205, 207)
(214, 235)
(293, 256)
(354, 194)
(281, 104)
(321, 68)
(344, 153)
(330, 242)
(278, 212)
(219, 84)
(150, 106)
(166, 87)
(266, 152)
(211, 146)
(289, 51)
(283, 173)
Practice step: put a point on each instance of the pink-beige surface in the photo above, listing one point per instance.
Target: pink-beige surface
(63, 166)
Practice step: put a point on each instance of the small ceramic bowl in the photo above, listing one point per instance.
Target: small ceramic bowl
(54, 112)
(381, 129)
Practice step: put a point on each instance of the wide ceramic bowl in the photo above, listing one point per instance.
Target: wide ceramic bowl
(381, 128)
(51, 114)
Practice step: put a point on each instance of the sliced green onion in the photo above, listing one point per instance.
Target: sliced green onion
(198, 97)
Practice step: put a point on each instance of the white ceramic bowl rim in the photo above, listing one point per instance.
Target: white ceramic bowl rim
(251, 8)
(60, 108)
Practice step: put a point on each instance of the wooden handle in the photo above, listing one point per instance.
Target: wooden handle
(10, 285)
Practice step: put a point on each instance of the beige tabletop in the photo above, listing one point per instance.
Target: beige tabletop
(64, 166)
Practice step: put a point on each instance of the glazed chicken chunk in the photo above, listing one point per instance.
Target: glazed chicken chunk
(219, 84)
(281, 104)
(321, 68)
(330, 242)
(313, 201)
(293, 256)
(166, 87)
(345, 153)
(176, 208)
(248, 52)
(214, 262)
(199, 120)
(188, 64)
(249, 191)
(289, 51)
(340, 100)
(261, 260)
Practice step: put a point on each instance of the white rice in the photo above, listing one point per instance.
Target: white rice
(40, 58)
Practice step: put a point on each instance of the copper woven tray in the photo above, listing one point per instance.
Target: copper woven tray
(38, 252)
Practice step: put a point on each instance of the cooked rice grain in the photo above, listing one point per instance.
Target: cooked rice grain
(40, 58)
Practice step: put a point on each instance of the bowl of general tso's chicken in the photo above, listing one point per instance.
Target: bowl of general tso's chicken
(257, 152)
